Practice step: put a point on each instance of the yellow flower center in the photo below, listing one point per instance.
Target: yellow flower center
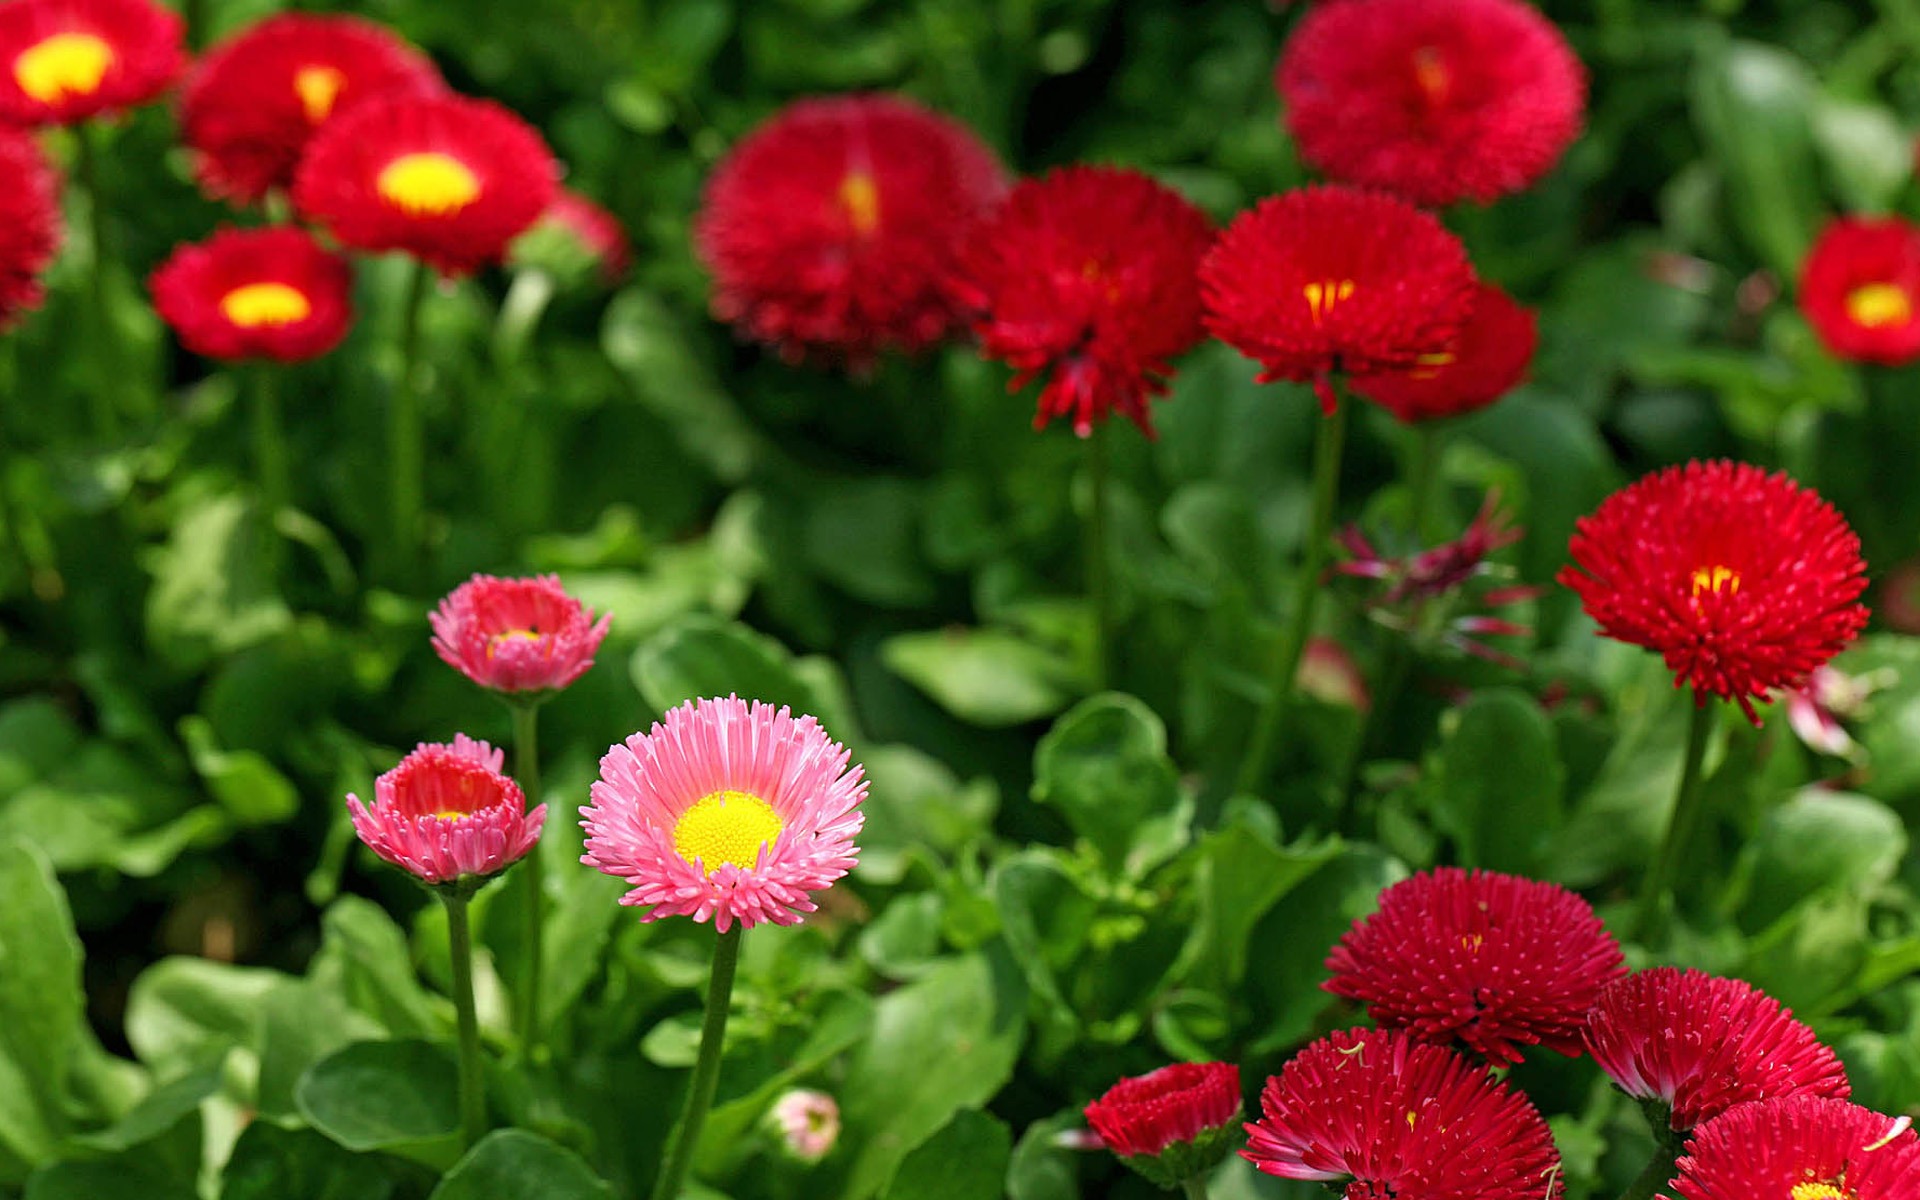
(66, 64)
(318, 88)
(1878, 305)
(860, 200)
(1321, 297)
(1431, 74)
(512, 635)
(726, 827)
(1819, 1191)
(1428, 365)
(428, 184)
(1471, 942)
(256, 304)
(1715, 580)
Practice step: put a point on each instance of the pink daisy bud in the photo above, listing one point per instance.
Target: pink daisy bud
(447, 814)
(727, 811)
(516, 635)
(808, 1123)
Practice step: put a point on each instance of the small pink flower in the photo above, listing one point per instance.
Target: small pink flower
(808, 1123)
(1816, 709)
(726, 811)
(446, 813)
(516, 635)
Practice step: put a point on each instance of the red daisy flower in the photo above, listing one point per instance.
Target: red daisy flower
(1393, 1116)
(1700, 1044)
(1494, 961)
(74, 59)
(251, 105)
(256, 293)
(1744, 581)
(517, 635)
(1860, 289)
(1486, 361)
(29, 223)
(446, 179)
(834, 229)
(447, 815)
(1329, 279)
(1089, 276)
(1801, 1148)
(575, 230)
(1468, 100)
(1172, 1124)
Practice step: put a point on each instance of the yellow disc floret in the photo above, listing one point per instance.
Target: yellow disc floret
(429, 184)
(66, 64)
(1819, 1191)
(726, 827)
(510, 635)
(261, 304)
(1716, 580)
(318, 88)
(1321, 297)
(1878, 305)
(860, 200)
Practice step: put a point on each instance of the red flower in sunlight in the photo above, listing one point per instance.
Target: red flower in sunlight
(1801, 1148)
(1860, 289)
(74, 59)
(1390, 1115)
(1700, 1044)
(446, 179)
(252, 104)
(1743, 580)
(833, 230)
(447, 813)
(1487, 360)
(1089, 276)
(1329, 279)
(29, 223)
(516, 635)
(256, 293)
(1173, 1124)
(1493, 961)
(1468, 100)
(587, 234)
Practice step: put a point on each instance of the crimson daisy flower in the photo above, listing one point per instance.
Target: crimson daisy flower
(74, 59)
(1173, 1124)
(1699, 1044)
(1329, 279)
(251, 105)
(517, 635)
(1493, 961)
(1744, 581)
(29, 223)
(833, 230)
(256, 293)
(446, 814)
(1393, 1116)
(1487, 360)
(1089, 276)
(1468, 100)
(446, 179)
(1801, 1148)
(1860, 289)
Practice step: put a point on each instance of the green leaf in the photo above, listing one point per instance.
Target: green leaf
(1816, 842)
(302, 1023)
(966, 1160)
(1040, 1168)
(364, 958)
(400, 1096)
(1295, 933)
(1869, 156)
(121, 1175)
(1104, 766)
(272, 1163)
(648, 345)
(700, 656)
(1045, 916)
(211, 591)
(862, 536)
(1242, 874)
(1500, 782)
(41, 1004)
(183, 1011)
(36, 737)
(512, 1164)
(1750, 102)
(989, 677)
(162, 1110)
(245, 783)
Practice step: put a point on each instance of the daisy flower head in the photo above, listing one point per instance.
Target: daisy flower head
(447, 814)
(1173, 1124)
(516, 635)
(68, 60)
(271, 293)
(575, 234)
(1801, 1148)
(29, 223)
(1487, 360)
(1860, 289)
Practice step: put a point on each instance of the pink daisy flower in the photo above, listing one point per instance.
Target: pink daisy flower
(726, 810)
(516, 635)
(446, 813)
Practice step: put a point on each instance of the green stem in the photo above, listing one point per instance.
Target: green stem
(706, 1068)
(473, 1103)
(1293, 638)
(1650, 919)
(1658, 1172)
(269, 441)
(526, 769)
(1423, 481)
(406, 438)
(86, 164)
(1098, 584)
(196, 18)
(1195, 1187)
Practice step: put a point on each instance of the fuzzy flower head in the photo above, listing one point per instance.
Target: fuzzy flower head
(1381, 1115)
(726, 811)
(1492, 961)
(1860, 289)
(1329, 279)
(1744, 581)
(1487, 360)
(1173, 1124)
(575, 237)
(446, 179)
(1699, 1045)
(447, 815)
(1801, 1148)
(833, 230)
(270, 293)
(253, 102)
(1088, 277)
(1467, 100)
(808, 1123)
(29, 223)
(516, 636)
(67, 60)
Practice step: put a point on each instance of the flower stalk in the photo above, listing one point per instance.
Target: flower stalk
(473, 1105)
(526, 769)
(1655, 890)
(706, 1068)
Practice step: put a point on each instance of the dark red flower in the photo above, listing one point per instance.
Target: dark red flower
(74, 59)
(1493, 961)
(256, 293)
(833, 230)
(446, 179)
(1700, 1044)
(1486, 361)
(29, 223)
(252, 104)
(1801, 1148)
(1089, 276)
(1467, 100)
(1393, 1116)
(1860, 289)
(1329, 279)
(1743, 580)
(1172, 1124)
